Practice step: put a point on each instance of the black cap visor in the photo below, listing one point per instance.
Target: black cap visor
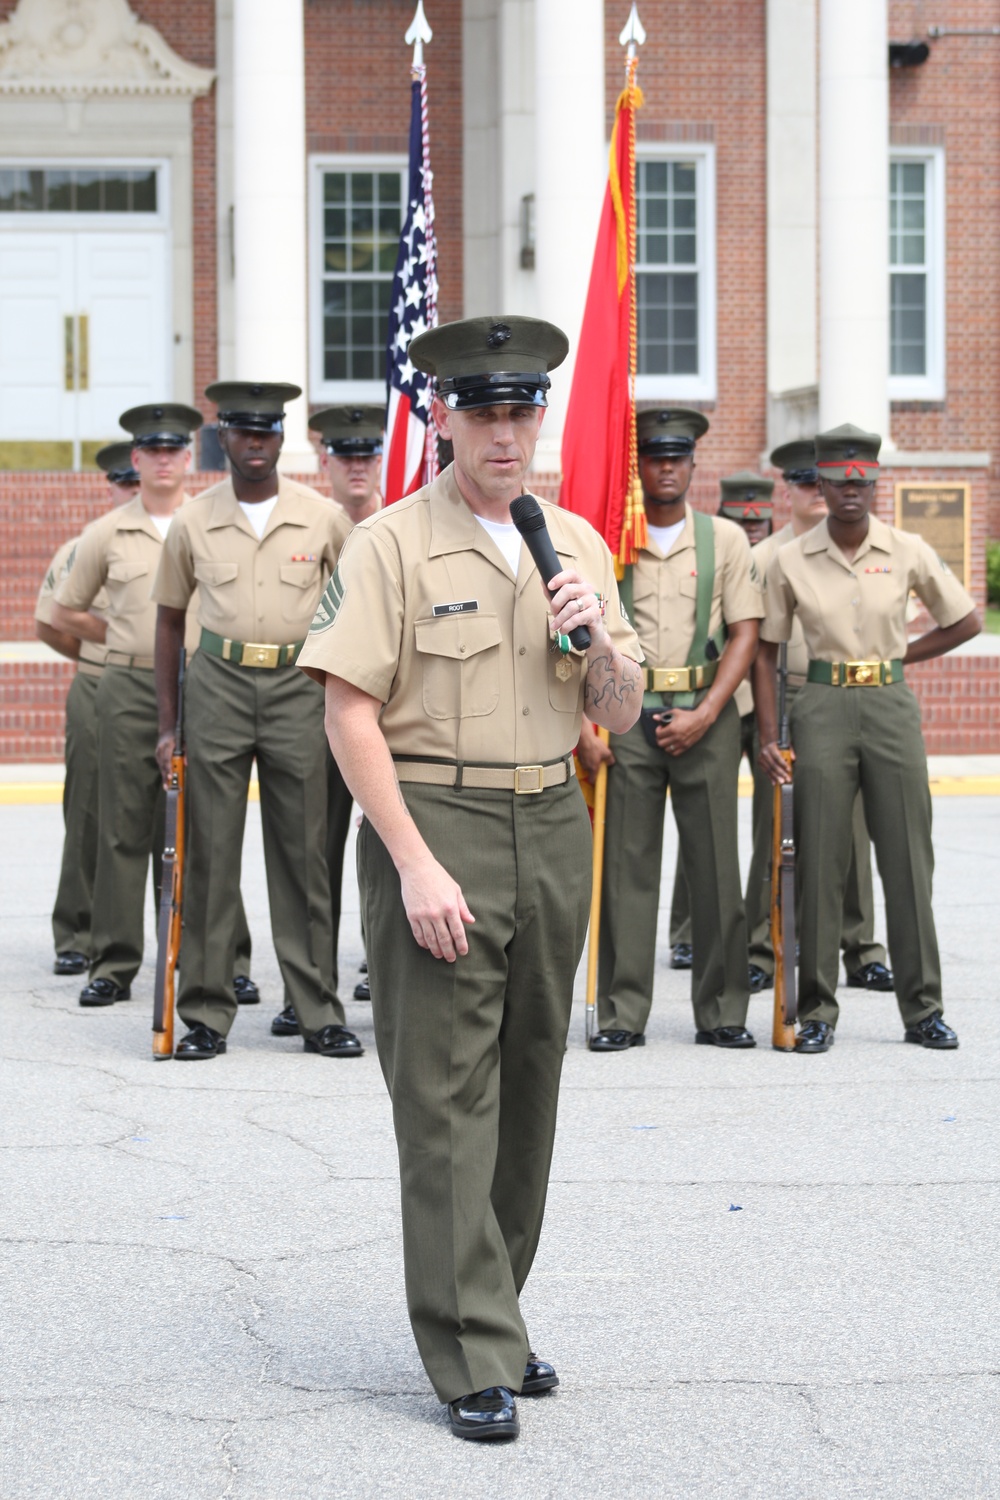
(802, 476)
(501, 388)
(123, 476)
(666, 447)
(162, 440)
(252, 421)
(353, 447)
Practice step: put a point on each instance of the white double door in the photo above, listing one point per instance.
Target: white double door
(84, 333)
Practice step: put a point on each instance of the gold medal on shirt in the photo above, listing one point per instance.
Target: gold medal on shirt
(564, 669)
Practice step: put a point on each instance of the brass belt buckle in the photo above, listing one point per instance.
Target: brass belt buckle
(256, 655)
(538, 772)
(670, 680)
(863, 673)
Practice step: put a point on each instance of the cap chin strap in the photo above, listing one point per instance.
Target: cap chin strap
(847, 464)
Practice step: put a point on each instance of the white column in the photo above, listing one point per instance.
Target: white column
(570, 178)
(269, 176)
(854, 214)
(791, 196)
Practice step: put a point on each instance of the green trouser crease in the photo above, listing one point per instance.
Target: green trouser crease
(75, 891)
(234, 715)
(857, 936)
(680, 902)
(338, 825)
(848, 739)
(472, 1053)
(702, 785)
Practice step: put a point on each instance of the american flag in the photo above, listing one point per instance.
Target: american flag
(410, 453)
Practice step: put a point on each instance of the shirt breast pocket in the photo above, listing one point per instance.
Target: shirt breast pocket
(295, 578)
(688, 588)
(566, 696)
(129, 586)
(460, 658)
(218, 585)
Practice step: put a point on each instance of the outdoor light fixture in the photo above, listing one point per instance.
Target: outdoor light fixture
(528, 232)
(908, 54)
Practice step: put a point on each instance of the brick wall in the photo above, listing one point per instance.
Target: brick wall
(358, 101)
(946, 100)
(703, 74)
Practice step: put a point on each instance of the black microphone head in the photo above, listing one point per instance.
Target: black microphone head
(526, 513)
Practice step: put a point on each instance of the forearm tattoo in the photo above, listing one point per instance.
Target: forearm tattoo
(611, 679)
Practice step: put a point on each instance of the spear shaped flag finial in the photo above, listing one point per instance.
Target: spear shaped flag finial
(634, 34)
(419, 33)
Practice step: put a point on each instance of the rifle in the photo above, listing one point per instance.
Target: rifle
(171, 889)
(783, 882)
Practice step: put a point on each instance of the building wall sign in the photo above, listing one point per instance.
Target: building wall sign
(941, 514)
(75, 49)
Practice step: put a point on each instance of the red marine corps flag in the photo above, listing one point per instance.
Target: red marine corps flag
(599, 447)
(410, 452)
(600, 471)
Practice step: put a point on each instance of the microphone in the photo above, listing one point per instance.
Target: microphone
(528, 517)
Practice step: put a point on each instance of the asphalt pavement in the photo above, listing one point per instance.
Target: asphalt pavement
(760, 1275)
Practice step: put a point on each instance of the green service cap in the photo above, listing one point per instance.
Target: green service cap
(746, 497)
(166, 426)
(847, 452)
(258, 406)
(116, 461)
(348, 430)
(797, 461)
(491, 361)
(670, 431)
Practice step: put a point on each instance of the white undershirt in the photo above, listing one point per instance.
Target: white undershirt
(258, 512)
(665, 536)
(162, 523)
(507, 538)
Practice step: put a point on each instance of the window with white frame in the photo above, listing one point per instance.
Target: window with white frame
(916, 275)
(356, 209)
(675, 273)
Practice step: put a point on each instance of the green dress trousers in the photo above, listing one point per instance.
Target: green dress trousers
(132, 807)
(233, 715)
(338, 825)
(865, 739)
(472, 1053)
(702, 785)
(680, 903)
(75, 891)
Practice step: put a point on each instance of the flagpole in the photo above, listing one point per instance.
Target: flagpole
(419, 33)
(632, 37)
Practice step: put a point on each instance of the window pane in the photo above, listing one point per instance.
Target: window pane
(361, 226)
(908, 325)
(668, 324)
(88, 192)
(666, 200)
(84, 190)
(144, 192)
(913, 213)
(912, 246)
(59, 192)
(913, 177)
(684, 177)
(116, 188)
(684, 250)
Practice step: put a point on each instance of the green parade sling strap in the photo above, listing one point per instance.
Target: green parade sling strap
(704, 557)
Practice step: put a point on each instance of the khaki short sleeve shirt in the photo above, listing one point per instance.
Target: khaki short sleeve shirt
(57, 570)
(119, 553)
(856, 611)
(261, 589)
(665, 590)
(423, 614)
(798, 655)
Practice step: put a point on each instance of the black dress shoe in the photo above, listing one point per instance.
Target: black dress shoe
(286, 1023)
(363, 991)
(333, 1041)
(616, 1041)
(538, 1377)
(103, 992)
(759, 979)
(485, 1415)
(247, 992)
(870, 977)
(70, 962)
(814, 1036)
(725, 1036)
(932, 1032)
(200, 1041)
(682, 956)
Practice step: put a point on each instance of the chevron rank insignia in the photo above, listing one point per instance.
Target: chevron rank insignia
(329, 605)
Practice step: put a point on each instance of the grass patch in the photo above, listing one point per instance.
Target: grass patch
(991, 623)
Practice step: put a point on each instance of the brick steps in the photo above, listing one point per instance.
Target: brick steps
(959, 699)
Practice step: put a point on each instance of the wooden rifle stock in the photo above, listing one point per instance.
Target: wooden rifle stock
(171, 890)
(783, 884)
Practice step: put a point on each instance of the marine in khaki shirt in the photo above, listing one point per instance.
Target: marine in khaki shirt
(453, 709)
(856, 725)
(258, 548)
(119, 554)
(688, 740)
